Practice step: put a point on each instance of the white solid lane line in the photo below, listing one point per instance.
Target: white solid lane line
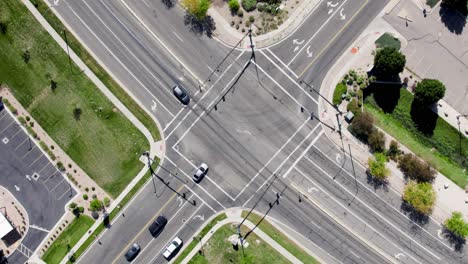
(278, 59)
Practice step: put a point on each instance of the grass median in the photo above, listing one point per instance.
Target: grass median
(67, 239)
(105, 78)
(67, 105)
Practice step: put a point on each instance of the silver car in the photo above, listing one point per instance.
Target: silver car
(200, 173)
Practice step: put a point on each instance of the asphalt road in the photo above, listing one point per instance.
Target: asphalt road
(246, 124)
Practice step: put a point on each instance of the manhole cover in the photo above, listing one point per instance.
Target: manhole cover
(5, 140)
(184, 220)
(35, 176)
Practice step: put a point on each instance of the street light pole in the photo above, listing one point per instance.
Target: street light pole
(459, 130)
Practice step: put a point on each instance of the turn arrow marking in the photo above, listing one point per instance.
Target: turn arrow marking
(342, 16)
(330, 4)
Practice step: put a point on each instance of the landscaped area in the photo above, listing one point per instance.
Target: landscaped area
(280, 238)
(219, 250)
(387, 40)
(444, 149)
(75, 114)
(67, 239)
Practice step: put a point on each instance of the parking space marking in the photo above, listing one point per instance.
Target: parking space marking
(50, 177)
(19, 145)
(283, 162)
(70, 188)
(119, 61)
(39, 157)
(17, 132)
(13, 122)
(24, 156)
(3, 113)
(40, 171)
(63, 178)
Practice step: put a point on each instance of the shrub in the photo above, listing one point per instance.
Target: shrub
(240, 13)
(197, 8)
(420, 196)
(249, 5)
(376, 141)
(234, 6)
(393, 150)
(95, 205)
(262, 7)
(106, 201)
(353, 108)
(85, 196)
(77, 113)
(340, 89)
(22, 120)
(377, 166)
(60, 166)
(26, 56)
(72, 206)
(416, 169)
(362, 126)
(429, 91)
(251, 19)
(456, 225)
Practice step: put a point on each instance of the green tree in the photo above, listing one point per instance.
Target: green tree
(249, 5)
(457, 225)
(460, 5)
(197, 8)
(389, 62)
(376, 141)
(234, 6)
(429, 91)
(415, 168)
(95, 205)
(421, 196)
(362, 126)
(377, 166)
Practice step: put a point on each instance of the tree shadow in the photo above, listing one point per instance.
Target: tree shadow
(423, 117)
(454, 20)
(456, 241)
(200, 27)
(376, 183)
(386, 95)
(169, 3)
(413, 214)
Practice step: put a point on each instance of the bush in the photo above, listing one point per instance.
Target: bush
(456, 225)
(393, 150)
(262, 7)
(353, 108)
(249, 5)
(234, 6)
(85, 196)
(376, 141)
(429, 91)
(72, 206)
(95, 205)
(420, 196)
(240, 13)
(77, 113)
(362, 126)
(106, 201)
(340, 89)
(416, 169)
(60, 166)
(22, 120)
(197, 8)
(389, 62)
(377, 166)
(251, 19)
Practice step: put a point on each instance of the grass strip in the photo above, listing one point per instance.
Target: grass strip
(387, 40)
(114, 212)
(204, 231)
(280, 238)
(105, 78)
(67, 239)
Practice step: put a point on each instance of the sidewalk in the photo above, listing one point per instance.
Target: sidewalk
(448, 200)
(230, 37)
(234, 216)
(155, 148)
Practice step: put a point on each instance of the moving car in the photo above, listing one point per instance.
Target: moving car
(132, 252)
(181, 94)
(172, 248)
(157, 226)
(200, 173)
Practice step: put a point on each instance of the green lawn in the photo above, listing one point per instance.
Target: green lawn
(387, 40)
(116, 210)
(105, 78)
(340, 89)
(218, 250)
(432, 3)
(441, 149)
(101, 141)
(67, 239)
(280, 238)
(204, 231)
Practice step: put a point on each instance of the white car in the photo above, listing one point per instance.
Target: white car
(172, 248)
(200, 173)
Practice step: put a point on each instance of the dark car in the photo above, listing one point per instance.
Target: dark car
(157, 226)
(132, 252)
(181, 94)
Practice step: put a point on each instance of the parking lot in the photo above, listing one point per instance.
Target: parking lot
(35, 182)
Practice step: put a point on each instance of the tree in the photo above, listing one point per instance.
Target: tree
(456, 225)
(234, 6)
(362, 126)
(460, 5)
(197, 8)
(389, 62)
(376, 141)
(377, 166)
(421, 196)
(72, 206)
(429, 91)
(416, 169)
(95, 205)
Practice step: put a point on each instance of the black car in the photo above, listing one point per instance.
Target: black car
(132, 252)
(157, 226)
(181, 94)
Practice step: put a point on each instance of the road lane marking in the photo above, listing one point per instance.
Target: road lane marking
(335, 36)
(177, 36)
(148, 223)
(378, 197)
(282, 63)
(303, 154)
(282, 163)
(117, 59)
(371, 209)
(318, 31)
